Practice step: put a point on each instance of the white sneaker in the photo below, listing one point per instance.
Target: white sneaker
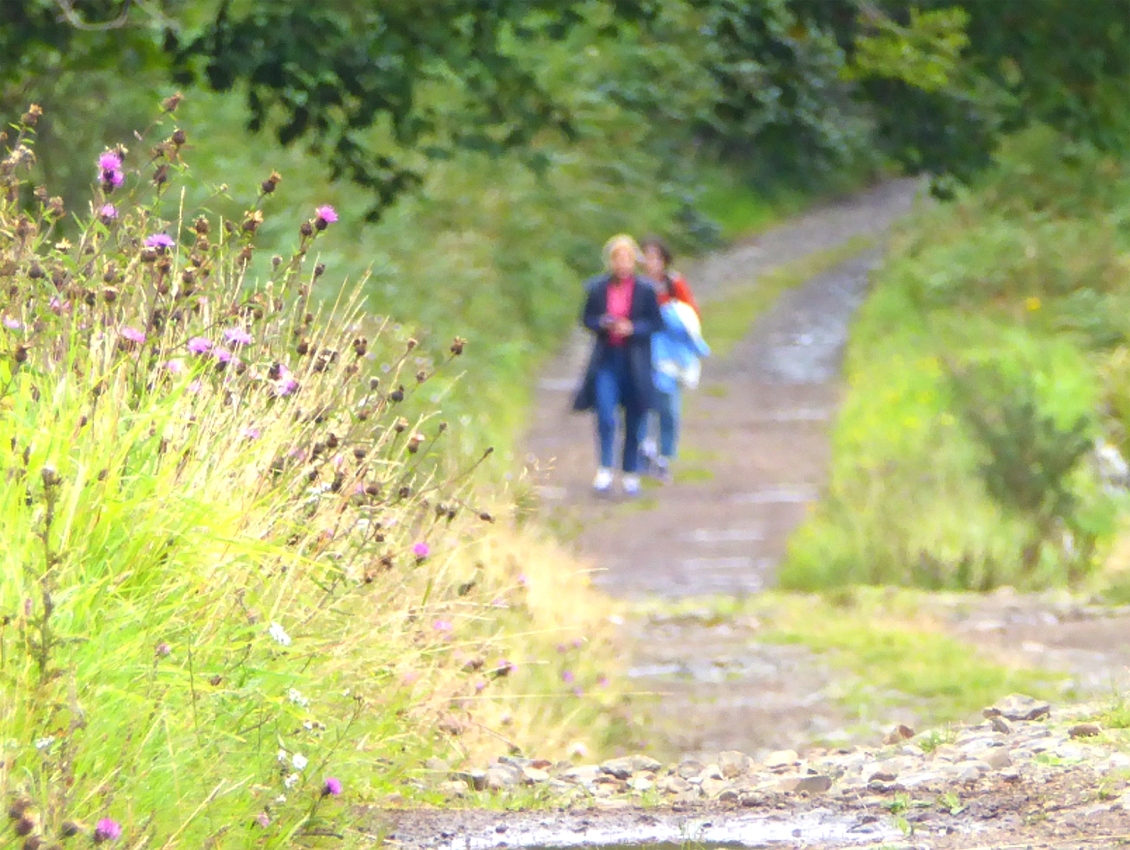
(631, 485)
(603, 480)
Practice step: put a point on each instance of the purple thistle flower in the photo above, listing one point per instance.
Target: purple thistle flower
(480, 686)
(504, 667)
(602, 681)
(222, 354)
(199, 345)
(286, 386)
(567, 677)
(332, 787)
(196, 386)
(160, 240)
(326, 213)
(578, 691)
(109, 161)
(58, 306)
(107, 830)
(133, 335)
(442, 625)
(175, 366)
(238, 336)
(252, 433)
(12, 324)
(263, 819)
(421, 550)
(107, 212)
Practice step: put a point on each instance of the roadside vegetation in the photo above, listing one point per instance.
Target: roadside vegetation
(982, 372)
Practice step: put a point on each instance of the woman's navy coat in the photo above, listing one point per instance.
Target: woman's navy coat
(646, 320)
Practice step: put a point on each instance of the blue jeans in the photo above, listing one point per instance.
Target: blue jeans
(613, 388)
(665, 407)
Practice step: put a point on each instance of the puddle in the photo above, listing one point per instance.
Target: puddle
(658, 831)
(778, 496)
(723, 535)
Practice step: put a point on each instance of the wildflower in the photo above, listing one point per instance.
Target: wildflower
(106, 830)
(1032, 304)
(296, 697)
(421, 550)
(522, 580)
(238, 336)
(480, 686)
(567, 677)
(290, 781)
(504, 667)
(12, 324)
(196, 386)
(175, 366)
(331, 787)
(45, 743)
(410, 677)
(442, 625)
(299, 761)
(222, 355)
(199, 345)
(107, 213)
(578, 691)
(278, 633)
(163, 649)
(110, 170)
(324, 215)
(602, 681)
(160, 241)
(263, 819)
(58, 306)
(133, 335)
(252, 433)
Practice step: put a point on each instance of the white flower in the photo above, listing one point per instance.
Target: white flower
(279, 634)
(280, 799)
(45, 743)
(308, 726)
(283, 756)
(291, 780)
(295, 696)
(299, 761)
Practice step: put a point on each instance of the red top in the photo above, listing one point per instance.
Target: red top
(619, 303)
(677, 288)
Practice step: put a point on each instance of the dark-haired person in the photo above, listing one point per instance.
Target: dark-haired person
(677, 348)
(622, 311)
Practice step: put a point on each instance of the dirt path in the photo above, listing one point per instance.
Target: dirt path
(754, 457)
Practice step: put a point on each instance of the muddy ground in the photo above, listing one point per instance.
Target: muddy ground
(1065, 811)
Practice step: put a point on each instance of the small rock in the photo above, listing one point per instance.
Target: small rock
(621, 768)
(1018, 707)
(733, 763)
(1084, 730)
(500, 777)
(713, 787)
(995, 757)
(689, 768)
(882, 776)
(900, 733)
(781, 759)
(477, 779)
(711, 771)
(437, 765)
(640, 784)
(674, 785)
(534, 776)
(729, 795)
(642, 763)
(453, 788)
(1000, 724)
(810, 784)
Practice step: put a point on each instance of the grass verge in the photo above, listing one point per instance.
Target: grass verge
(893, 653)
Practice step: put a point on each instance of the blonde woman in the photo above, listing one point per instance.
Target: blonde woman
(622, 312)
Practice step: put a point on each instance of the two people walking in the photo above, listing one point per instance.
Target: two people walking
(647, 345)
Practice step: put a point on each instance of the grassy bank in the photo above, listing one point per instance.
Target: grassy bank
(992, 347)
(247, 580)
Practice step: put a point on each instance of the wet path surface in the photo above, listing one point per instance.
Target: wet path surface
(754, 458)
(754, 455)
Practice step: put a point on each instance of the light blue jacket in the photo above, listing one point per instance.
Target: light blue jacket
(677, 348)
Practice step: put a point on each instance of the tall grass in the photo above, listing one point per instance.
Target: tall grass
(1027, 274)
(242, 583)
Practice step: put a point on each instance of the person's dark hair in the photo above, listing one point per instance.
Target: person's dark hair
(660, 246)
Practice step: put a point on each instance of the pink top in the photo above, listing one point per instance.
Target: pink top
(619, 303)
